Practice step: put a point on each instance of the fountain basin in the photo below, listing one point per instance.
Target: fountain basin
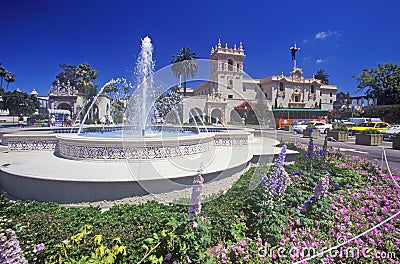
(94, 148)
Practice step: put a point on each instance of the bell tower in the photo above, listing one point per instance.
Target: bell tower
(227, 69)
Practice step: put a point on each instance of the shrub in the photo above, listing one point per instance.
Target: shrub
(370, 132)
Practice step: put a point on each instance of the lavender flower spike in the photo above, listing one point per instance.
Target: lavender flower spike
(10, 251)
(195, 200)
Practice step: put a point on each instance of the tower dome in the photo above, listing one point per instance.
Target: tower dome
(34, 93)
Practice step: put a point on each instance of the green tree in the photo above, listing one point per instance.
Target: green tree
(9, 78)
(382, 83)
(322, 76)
(82, 78)
(68, 73)
(17, 103)
(345, 98)
(184, 64)
(117, 107)
(85, 76)
(261, 108)
(167, 101)
(3, 72)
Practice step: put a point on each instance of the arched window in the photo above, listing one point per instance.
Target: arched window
(230, 65)
(312, 88)
(281, 86)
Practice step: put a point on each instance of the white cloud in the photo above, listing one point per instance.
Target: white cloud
(326, 34)
(319, 61)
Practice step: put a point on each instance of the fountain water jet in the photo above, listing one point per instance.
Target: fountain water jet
(145, 89)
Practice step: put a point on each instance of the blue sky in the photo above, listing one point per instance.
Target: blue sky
(341, 37)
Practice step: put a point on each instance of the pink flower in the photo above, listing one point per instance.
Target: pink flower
(38, 248)
(195, 224)
(242, 243)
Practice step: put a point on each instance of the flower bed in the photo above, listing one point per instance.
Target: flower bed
(323, 207)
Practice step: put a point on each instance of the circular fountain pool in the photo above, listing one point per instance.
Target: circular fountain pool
(73, 146)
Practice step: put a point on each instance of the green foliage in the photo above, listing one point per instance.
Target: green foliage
(322, 76)
(382, 83)
(184, 64)
(261, 110)
(80, 248)
(339, 127)
(370, 131)
(80, 77)
(167, 101)
(389, 114)
(182, 240)
(18, 102)
(161, 233)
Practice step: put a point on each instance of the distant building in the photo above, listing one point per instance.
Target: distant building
(67, 97)
(43, 102)
(229, 87)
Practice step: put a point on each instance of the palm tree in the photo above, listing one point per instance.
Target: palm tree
(3, 72)
(322, 76)
(184, 63)
(9, 78)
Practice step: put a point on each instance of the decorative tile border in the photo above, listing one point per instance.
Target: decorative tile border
(76, 147)
(118, 152)
(230, 141)
(32, 144)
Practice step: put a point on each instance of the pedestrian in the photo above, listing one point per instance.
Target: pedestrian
(53, 120)
(21, 120)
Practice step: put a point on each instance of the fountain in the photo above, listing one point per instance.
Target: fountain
(88, 167)
(144, 82)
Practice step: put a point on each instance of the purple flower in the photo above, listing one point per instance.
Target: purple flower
(296, 173)
(279, 180)
(334, 185)
(242, 243)
(168, 256)
(38, 248)
(195, 200)
(10, 251)
(322, 186)
(310, 150)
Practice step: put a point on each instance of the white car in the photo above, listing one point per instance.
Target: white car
(321, 126)
(391, 132)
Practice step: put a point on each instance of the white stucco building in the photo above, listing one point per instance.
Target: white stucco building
(230, 87)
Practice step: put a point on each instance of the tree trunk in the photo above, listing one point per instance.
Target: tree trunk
(184, 85)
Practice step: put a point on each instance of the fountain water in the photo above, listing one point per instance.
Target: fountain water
(140, 107)
(92, 104)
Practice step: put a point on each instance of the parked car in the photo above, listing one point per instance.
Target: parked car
(347, 124)
(369, 125)
(321, 126)
(391, 131)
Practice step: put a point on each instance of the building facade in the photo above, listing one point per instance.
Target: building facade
(66, 97)
(229, 87)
